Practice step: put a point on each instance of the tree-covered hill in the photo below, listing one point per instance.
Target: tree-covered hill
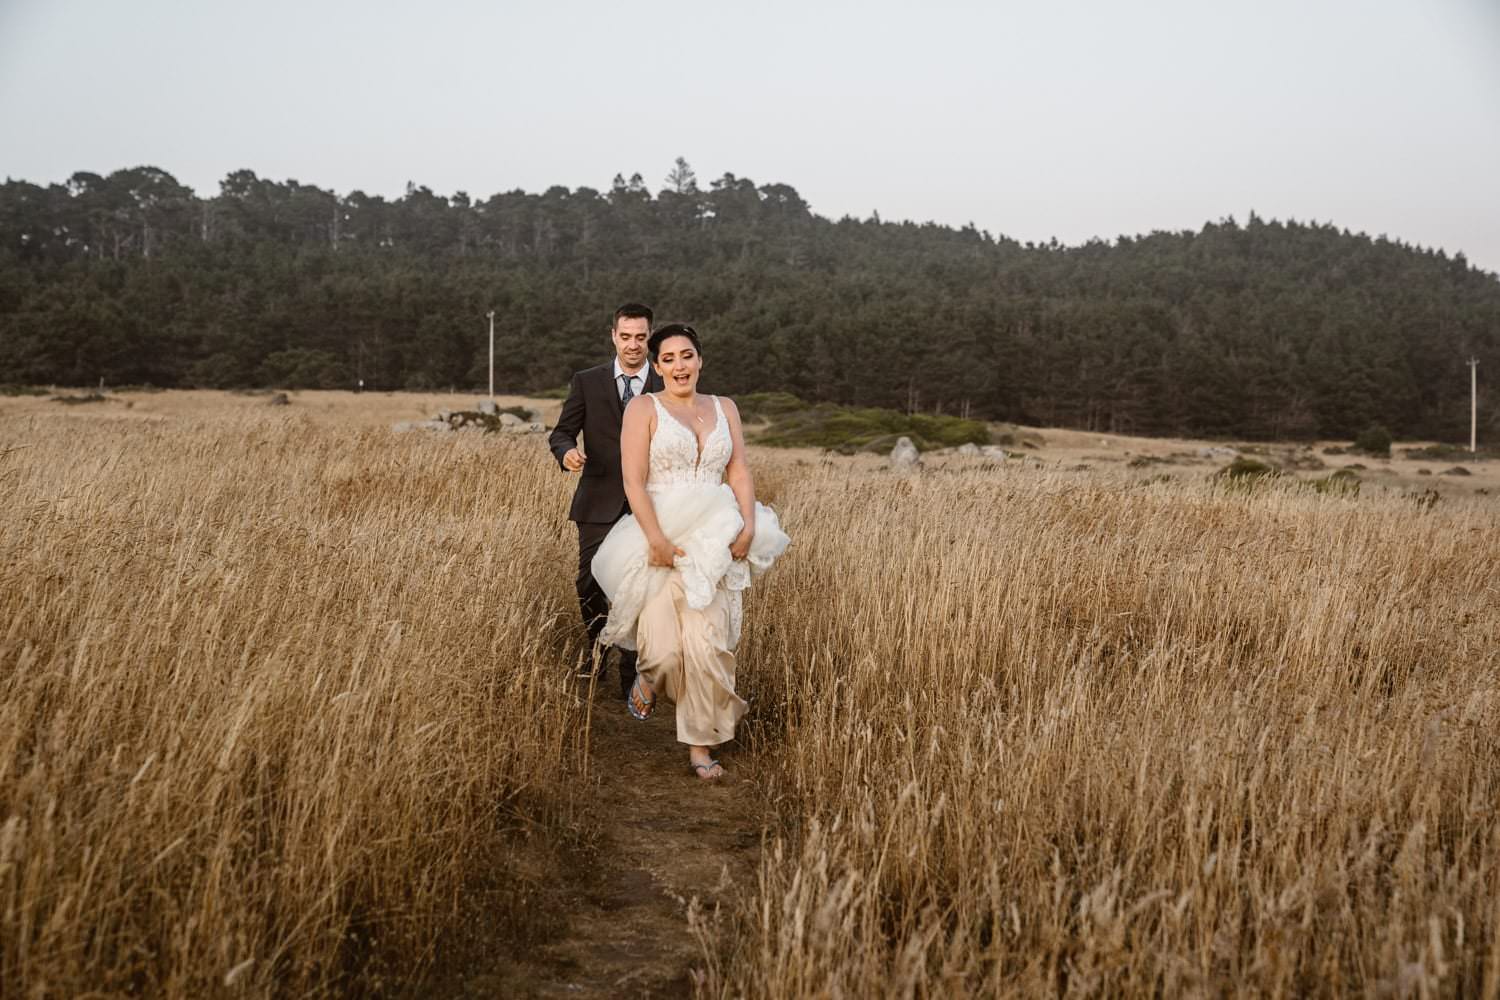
(1260, 329)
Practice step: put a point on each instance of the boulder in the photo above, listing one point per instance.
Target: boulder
(511, 422)
(969, 449)
(994, 453)
(278, 399)
(904, 457)
(1218, 452)
(487, 406)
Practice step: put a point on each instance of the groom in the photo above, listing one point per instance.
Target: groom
(595, 405)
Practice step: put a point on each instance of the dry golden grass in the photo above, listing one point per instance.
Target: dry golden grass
(268, 691)
(1044, 734)
(275, 694)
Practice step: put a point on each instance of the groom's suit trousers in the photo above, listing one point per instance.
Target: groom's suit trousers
(591, 599)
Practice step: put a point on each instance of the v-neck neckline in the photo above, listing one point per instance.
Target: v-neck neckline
(701, 442)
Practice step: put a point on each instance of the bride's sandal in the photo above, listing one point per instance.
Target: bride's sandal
(706, 771)
(638, 697)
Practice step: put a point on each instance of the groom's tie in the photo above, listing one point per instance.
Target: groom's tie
(629, 393)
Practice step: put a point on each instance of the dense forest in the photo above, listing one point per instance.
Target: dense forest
(1253, 329)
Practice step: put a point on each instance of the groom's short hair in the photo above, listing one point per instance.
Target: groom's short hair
(633, 310)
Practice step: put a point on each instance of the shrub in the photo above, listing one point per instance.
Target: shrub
(1247, 470)
(762, 406)
(1447, 452)
(1374, 440)
(850, 429)
(1343, 482)
(949, 432)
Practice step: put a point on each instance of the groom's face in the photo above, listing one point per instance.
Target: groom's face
(630, 335)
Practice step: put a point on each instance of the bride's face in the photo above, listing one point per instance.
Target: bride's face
(678, 363)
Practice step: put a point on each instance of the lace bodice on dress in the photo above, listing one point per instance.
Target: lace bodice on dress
(675, 461)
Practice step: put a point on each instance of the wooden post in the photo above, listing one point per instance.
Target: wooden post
(1473, 406)
(491, 315)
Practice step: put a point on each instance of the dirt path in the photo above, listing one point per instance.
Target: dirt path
(622, 912)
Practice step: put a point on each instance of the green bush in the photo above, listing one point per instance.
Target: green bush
(1448, 452)
(850, 429)
(1246, 471)
(1374, 440)
(1344, 482)
(761, 406)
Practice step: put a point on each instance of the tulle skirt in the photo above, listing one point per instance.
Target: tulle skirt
(702, 521)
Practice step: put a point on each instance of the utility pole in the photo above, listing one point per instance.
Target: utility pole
(1473, 406)
(491, 315)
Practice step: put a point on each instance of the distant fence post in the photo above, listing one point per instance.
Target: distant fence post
(1473, 406)
(491, 315)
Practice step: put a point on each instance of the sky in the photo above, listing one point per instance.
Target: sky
(1071, 119)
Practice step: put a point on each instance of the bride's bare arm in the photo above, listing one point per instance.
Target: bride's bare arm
(737, 475)
(635, 462)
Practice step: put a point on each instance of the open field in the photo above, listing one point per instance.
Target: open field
(284, 710)
(1058, 449)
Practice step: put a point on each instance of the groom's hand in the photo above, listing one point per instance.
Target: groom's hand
(574, 459)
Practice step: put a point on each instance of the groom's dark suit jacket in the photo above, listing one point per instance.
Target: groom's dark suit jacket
(593, 406)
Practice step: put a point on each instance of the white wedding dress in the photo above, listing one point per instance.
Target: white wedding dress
(698, 512)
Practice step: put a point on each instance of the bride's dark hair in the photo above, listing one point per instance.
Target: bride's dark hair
(653, 343)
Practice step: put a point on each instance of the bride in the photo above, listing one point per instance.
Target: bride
(674, 569)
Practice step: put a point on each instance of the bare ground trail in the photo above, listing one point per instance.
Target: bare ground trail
(617, 919)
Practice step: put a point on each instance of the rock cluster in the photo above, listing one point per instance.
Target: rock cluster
(993, 452)
(906, 458)
(487, 418)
